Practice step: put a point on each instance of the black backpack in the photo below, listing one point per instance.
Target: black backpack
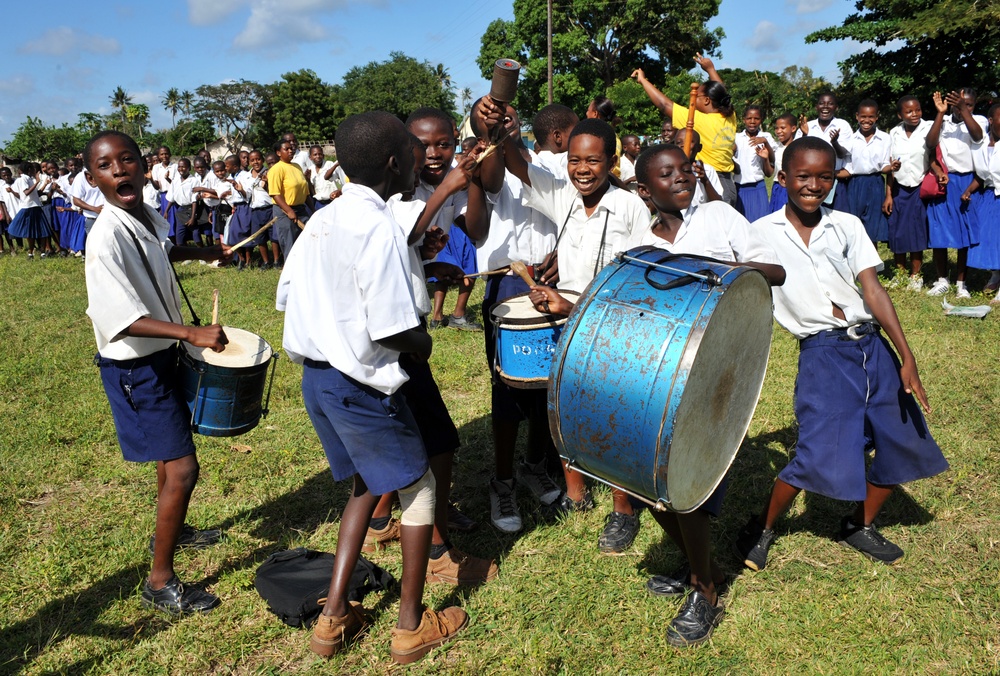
(295, 583)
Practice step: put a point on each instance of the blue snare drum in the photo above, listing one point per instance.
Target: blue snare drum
(658, 373)
(526, 341)
(224, 389)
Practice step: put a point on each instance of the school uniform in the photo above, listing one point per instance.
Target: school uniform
(585, 243)
(181, 196)
(168, 209)
(751, 190)
(779, 196)
(986, 254)
(951, 223)
(866, 187)
(151, 196)
(261, 206)
(718, 133)
(322, 188)
(554, 163)
(29, 221)
(88, 194)
(459, 250)
(206, 221)
(848, 393)
(627, 168)
(907, 223)
(286, 179)
(716, 230)
(240, 223)
(11, 204)
(301, 160)
(838, 198)
(46, 191)
(348, 289)
(151, 417)
(712, 176)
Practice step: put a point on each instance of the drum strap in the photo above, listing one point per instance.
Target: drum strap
(604, 235)
(159, 294)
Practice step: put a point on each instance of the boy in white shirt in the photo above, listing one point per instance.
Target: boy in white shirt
(180, 194)
(835, 131)
(754, 160)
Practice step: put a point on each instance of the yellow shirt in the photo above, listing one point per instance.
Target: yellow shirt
(717, 133)
(286, 179)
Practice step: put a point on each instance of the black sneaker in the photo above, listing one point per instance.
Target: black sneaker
(566, 505)
(191, 538)
(177, 599)
(458, 521)
(752, 544)
(619, 533)
(868, 541)
(695, 622)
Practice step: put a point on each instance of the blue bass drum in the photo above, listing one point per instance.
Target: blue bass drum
(525, 341)
(658, 373)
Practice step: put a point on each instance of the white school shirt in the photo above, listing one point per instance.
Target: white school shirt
(150, 195)
(517, 232)
(120, 290)
(406, 214)
(957, 145)
(159, 173)
(232, 195)
(88, 194)
(207, 181)
(46, 188)
(180, 190)
(322, 187)
(836, 123)
(868, 156)
(627, 168)
(453, 207)
(347, 287)
(21, 184)
(820, 275)
(12, 203)
(987, 161)
(66, 186)
(581, 253)
(712, 175)
(554, 163)
(745, 157)
(258, 195)
(911, 151)
(714, 229)
(301, 158)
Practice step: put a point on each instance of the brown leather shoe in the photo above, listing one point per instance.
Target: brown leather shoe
(378, 539)
(436, 628)
(331, 633)
(457, 567)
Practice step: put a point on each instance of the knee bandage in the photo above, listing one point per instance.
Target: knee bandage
(417, 501)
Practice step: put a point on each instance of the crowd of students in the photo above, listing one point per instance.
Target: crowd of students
(401, 210)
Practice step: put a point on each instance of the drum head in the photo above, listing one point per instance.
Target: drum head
(243, 349)
(721, 392)
(518, 311)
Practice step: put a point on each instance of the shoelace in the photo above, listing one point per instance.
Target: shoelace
(506, 503)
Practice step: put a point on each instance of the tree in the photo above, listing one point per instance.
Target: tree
(171, 101)
(187, 102)
(917, 47)
(793, 91)
(120, 100)
(467, 98)
(305, 106)
(34, 140)
(89, 123)
(186, 138)
(234, 108)
(597, 43)
(443, 76)
(399, 86)
(136, 120)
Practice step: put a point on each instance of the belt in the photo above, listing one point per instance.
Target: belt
(725, 174)
(854, 332)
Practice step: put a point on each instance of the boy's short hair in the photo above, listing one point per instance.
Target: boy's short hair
(827, 93)
(552, 117)
(753, 107)
(598, 128)
(185, 161)
(637, 139)
(647, 155)
(804, 144)
(787, 117)
(89, 148)
(428, 113)
(868, 103)
(198, 159)
(994, 108)
(366, 141)
(218, 163)
(903, 100)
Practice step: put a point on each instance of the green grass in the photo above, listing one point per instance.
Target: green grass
(75, 519)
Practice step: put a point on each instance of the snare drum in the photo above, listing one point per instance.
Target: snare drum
(224, 389)
(658, 374)
(526, 341)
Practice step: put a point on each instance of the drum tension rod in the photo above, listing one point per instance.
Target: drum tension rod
(658, 505)
(709, 277)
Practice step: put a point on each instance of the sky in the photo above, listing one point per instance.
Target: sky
(72, 60)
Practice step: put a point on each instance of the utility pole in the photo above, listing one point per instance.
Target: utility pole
(550, 52)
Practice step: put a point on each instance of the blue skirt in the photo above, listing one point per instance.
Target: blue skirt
(240, 223)
(259, 217)
(751, 200)
(74, 235)
(908, 220)
(168, 210)
(986, 254)
(31, 223)
(865, 197)
(459, 251)
(951, 223)
(840, 201)
(779, 197)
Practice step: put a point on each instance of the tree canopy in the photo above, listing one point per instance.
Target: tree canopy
(235, 108)
(35, 140)
(305, 106)
(398, 86)
(596, 44)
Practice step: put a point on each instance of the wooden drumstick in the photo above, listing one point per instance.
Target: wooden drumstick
(688, 137)
(521, 270)
(215, 306)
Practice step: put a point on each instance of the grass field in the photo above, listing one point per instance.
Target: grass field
(75, 521)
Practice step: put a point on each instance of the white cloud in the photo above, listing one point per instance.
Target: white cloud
(17, 86)
(64, 40)
(206, 12)
(767, 37)
(149, 97)
(808, 6)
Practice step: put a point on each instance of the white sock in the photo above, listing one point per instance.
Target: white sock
(960, 285)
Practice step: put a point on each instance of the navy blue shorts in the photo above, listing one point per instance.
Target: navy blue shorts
(848, 394)
(510, 404)
(152, 420)
(437, 429)
(363, 431)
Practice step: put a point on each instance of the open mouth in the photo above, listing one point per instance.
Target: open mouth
(584, 184)
(126, 192)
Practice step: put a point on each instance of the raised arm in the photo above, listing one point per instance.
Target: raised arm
(934, 135)
(709, 68)
(659, 99)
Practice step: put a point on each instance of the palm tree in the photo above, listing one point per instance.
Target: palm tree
(186, 100)
(466, 95)
(120, 100)
(443, 76)
(171, 101)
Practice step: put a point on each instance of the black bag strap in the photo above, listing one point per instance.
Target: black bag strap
(159, 294)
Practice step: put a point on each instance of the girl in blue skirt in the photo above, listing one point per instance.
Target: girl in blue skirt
(986, 254)
(30, 221)
(869, 163)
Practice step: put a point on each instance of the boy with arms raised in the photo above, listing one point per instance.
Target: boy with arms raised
(350, 314)
(850, 387)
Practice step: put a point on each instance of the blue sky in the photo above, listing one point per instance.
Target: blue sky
(69, 57)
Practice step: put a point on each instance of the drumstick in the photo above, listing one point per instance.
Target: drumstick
(253, 236)
(215, 306)
(519, 269)
(690, 121)
(498, 271)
